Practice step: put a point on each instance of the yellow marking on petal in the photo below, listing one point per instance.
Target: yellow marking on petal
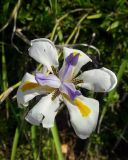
(29, 85)
(84, 109)
(75, 53)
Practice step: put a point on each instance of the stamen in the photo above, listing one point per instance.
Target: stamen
(55, 94)
(55, 71)
(77, 81)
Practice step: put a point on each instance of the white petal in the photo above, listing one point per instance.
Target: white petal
(98, 80)
(46, 108)
(23, 97)
(83, 58)
(83, 125)
(44, 51)
(113, 78)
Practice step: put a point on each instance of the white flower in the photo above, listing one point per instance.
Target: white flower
(56, 86)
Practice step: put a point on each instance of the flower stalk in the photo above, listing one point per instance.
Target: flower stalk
(33, 138)
(55, 135)
(15, 143)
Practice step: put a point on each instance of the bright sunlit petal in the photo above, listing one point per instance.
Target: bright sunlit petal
(28, 90)
(98, 80)
(25, 92)
(113, 78)
(44, 112)
(83, 115)
(44, 51)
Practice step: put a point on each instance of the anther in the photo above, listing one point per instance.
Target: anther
(55, 71)
(77, 81)
(55, 94)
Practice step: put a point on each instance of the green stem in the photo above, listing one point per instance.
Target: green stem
(34, 148)
(122, 69)
(15, 143)
(16, 85)
(76, 28)
(54, 131)
(6, 93)
(53, 149)
(62, 18)
(4, 77)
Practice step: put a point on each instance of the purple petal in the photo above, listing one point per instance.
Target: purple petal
(69, 89)
(72, 59)
(49, 80)
(66, 72)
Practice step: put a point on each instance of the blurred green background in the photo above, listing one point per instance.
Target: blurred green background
(101, 23)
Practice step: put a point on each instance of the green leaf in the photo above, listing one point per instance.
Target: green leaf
(113, 25)
(95, 16)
